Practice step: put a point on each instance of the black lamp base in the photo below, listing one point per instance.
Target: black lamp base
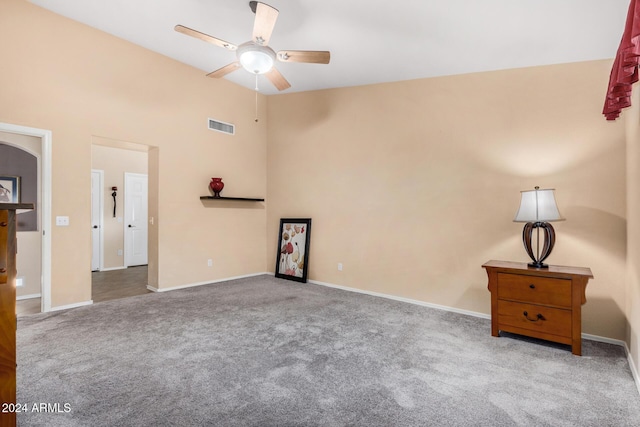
(549, 241)
(538, 265)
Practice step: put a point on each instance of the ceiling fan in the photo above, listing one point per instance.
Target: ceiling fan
(256, 56)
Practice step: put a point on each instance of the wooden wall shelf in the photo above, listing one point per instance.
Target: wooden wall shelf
(246, 199)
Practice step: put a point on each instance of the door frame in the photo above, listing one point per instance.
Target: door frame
(45, 207)
(100, 196)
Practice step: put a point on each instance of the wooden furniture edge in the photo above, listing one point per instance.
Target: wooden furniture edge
(8, 249)
(554, 269)
(16, 206)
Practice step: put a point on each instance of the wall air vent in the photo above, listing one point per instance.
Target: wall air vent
(223, 127)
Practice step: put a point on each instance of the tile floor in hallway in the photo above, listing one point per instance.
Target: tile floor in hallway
(105, 286)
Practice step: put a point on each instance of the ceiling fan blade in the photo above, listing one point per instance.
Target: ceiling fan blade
(309, 56)
(278, 79)
(221, 72)
(205, 37)
(266, 17)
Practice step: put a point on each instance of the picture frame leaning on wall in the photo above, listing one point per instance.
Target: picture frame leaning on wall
(9, 189)
(292, 259)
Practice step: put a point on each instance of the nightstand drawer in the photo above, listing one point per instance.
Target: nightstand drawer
(535, 289)
(554, 321)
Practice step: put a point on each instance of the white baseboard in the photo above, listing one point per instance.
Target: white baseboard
(402, 299)
(111, 269)
(451, 309)
(208, 282)
(76, 305)
(604, 339)
(634, 370)
(23, 297)
(632, 366)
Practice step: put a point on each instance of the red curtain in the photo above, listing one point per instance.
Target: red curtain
(625, 67)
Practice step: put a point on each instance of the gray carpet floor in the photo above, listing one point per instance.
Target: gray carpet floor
(270, 352)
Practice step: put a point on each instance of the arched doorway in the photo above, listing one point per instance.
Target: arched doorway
(33, 144)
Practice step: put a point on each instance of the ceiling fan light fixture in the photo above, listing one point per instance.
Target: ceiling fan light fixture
(256, 59)
(256, 56)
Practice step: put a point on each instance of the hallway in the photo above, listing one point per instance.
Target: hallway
(105, 286)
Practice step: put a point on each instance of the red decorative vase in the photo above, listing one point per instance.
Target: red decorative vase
(216, 186)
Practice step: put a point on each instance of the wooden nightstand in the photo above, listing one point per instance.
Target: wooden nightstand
(540, 303)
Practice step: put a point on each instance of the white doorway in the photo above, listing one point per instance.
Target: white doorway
(45, 204)
(97, 196)
(135, 219)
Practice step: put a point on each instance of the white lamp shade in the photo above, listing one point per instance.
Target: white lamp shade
(256, 59)
(538, 205)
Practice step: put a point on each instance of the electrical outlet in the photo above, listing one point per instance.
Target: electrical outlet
(62, 221)
(339, 266)
(119, 252)
(209, 263)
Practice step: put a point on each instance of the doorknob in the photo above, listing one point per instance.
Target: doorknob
(131, 226)
(95, 226)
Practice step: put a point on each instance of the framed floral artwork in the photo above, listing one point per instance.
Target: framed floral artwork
(9, 189)
(292, 260)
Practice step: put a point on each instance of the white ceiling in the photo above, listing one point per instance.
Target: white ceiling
(370, 41)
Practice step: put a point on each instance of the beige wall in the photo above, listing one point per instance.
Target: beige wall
(633, 214)
(96, 84)
(29, 256)
(115, 162)
(413, 185)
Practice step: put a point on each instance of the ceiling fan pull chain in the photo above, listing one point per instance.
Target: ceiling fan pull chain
(256, 98)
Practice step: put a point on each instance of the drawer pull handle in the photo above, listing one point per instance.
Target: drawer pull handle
(532, 286)
(3, 224)
(538, 317)
(3, 270)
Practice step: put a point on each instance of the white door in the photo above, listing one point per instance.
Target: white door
(135, 219)
(97, 178)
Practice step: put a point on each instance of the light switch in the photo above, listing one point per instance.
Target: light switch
(62, 221)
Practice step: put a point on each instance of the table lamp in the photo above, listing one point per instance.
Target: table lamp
(538, 208)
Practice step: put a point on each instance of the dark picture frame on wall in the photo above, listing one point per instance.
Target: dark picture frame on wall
(9, 189)
(292, 260)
